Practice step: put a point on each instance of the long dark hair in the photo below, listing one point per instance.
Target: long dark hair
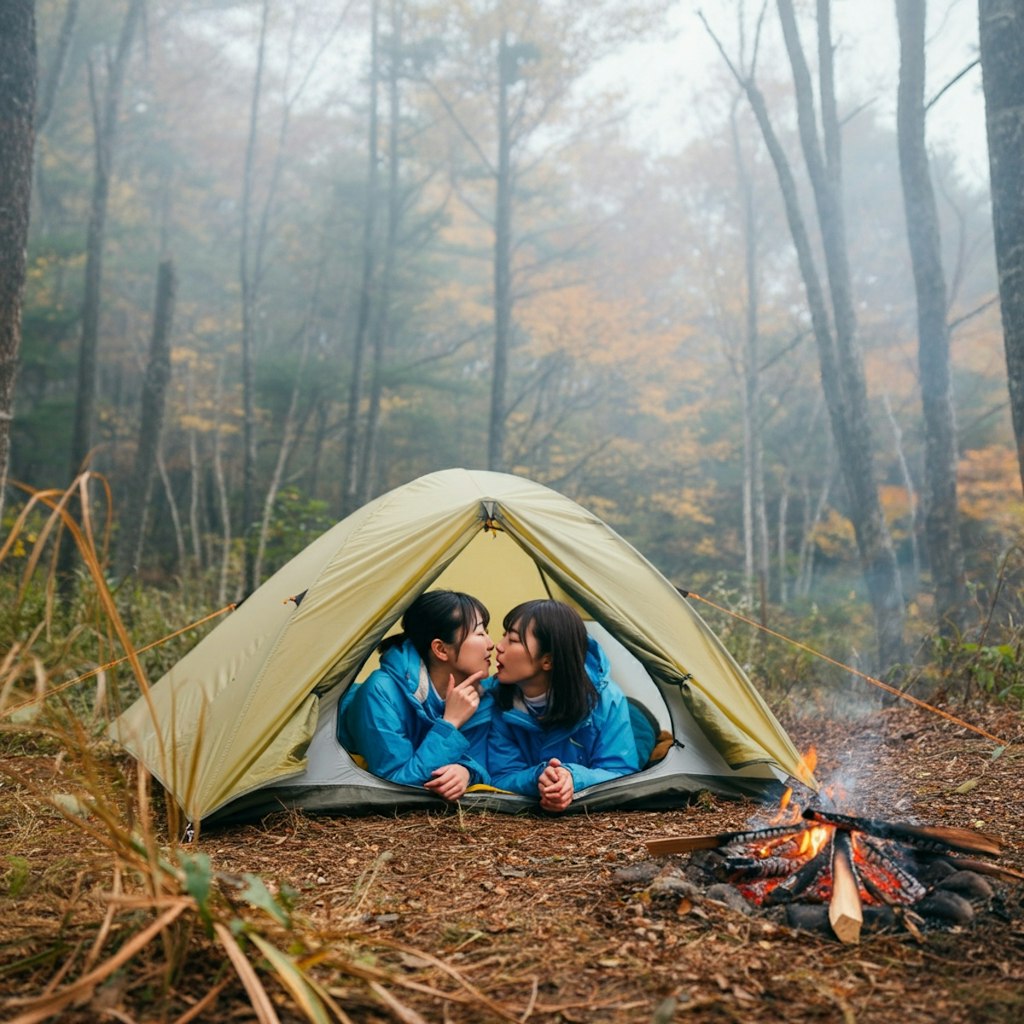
(560, 634)
(444, 615)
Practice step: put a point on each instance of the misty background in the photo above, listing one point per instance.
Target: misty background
(284, 257)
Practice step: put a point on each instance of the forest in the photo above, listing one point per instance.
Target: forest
(282, 260)
(262, 262)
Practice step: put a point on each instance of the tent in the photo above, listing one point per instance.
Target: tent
(245, 722)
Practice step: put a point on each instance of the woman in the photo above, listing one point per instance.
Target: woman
(563, 724)
(421, 718)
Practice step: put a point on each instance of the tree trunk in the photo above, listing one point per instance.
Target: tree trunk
(755, 523)
(55, 73)
(172, 506)
(223, 502)
(350, 478)
(908, 485)
(847, 395)
(154, 400)
(289, 438)
(502, 263)
(50, 85)
(105, 119)
(382, 327)
(17, 111)
(106, 135)
(247, 281)
(941, 516)
(1001, 33)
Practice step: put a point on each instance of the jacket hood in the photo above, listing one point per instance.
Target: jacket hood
(596, 664)
(406, 668)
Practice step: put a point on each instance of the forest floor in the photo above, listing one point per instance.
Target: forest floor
(475, 917)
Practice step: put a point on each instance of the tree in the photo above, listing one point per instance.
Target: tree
(1001, 33)
(105, 115)
(941, 516)
(154, 398)
(17, 115)
(506, 83)
(249, 266)
(352, 489)
(842, 369)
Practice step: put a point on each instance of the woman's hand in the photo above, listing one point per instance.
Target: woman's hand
(449, 782)
(462, 699)
(555, 786)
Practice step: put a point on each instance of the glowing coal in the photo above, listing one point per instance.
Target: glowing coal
(830, 869)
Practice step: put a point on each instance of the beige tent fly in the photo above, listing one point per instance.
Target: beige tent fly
(245, 722)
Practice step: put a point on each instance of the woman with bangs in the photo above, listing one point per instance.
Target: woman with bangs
(422, 718)
(562, 724)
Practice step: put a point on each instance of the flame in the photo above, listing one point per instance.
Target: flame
(879, 881)
(805, 767)
(814, 839)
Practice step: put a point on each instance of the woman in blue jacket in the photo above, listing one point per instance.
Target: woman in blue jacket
(563, 725)
(422, 718)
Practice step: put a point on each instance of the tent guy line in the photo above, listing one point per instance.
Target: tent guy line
(67, 684)
(863, 675)
(53, 691)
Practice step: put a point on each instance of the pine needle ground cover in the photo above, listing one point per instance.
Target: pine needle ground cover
(481, 917)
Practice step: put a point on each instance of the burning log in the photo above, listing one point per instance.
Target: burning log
(687, 844)
(909, 888)
(847, 874)
(801, 880)
(935, 838)
(736, 869)
(845, 912)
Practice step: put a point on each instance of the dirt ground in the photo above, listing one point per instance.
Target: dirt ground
(484, 917)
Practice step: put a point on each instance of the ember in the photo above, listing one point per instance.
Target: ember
(892, 872)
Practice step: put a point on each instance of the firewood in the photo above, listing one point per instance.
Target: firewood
(801, 880)
(845, 912)
(687, 844)
(982, 867)
(926, 837)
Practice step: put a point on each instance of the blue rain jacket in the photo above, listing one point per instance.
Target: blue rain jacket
(390, 722)
(598, 748)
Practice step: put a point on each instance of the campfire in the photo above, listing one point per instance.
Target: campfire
(834, 871)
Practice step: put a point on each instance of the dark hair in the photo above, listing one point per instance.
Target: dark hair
(560, 633)
(444, 615)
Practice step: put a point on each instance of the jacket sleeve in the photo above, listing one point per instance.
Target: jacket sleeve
(477, 733)
(385, 734)
(613, 747)
(507, 760)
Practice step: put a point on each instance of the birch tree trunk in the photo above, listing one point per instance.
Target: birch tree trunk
(154, 399)
(17, 111)
(1001, 33)
(941, 513)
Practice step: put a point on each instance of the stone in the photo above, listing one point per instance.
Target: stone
(968, 884)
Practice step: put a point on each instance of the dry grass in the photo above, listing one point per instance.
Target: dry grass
(446, 916)
(481, 917)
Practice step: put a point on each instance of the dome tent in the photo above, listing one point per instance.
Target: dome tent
(244, 723)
